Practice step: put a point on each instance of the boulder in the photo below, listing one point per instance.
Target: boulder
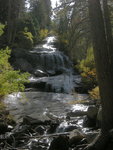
(75, 138)
(76, 113)
(40, 73)
(27, 120)
(20, 130)
(92, 112)
(88, 122)
(91, 135)
(40, 129)
(60, 143)
(3, 128)
(70, 128)
(90, 118)
(23, 65)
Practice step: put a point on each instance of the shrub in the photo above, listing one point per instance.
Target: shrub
(10, 80)
(63, 41)
(24, 40)
(43, 33)
(94, 93)
(1, 28)
(88, 71)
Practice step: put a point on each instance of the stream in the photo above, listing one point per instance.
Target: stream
(50, 95)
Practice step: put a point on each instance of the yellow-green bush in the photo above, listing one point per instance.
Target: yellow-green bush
(24, 40)
(43, 33)
(88, 71)
(94, 93)
(1, 29)
(10, 80)
(87, 63)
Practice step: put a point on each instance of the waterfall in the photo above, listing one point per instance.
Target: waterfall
(51, 69)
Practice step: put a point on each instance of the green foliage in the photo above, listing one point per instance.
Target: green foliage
(43, 33)
(94, 93)
(10, 80)
(41, 11)
(72, 27)
(1, 29)
(24, 40)
(88, 63)
(16, 17)
(88, 71)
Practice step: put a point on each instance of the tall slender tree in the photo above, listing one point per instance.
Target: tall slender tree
(103, 52)
(14, 10)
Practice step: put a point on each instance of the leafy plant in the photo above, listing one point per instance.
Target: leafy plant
(10, 80)
(1, 29)
(88, 71)
(43, 33)
(94, 93)
(24, 40)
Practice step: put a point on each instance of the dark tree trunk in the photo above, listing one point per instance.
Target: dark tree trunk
(13, 14)
(104, 65)
(108, 28)
(9, 23)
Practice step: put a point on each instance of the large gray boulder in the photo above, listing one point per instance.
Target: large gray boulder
(23, 65)
(92, 112)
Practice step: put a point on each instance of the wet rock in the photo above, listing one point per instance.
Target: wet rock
(60, 143)
(37, 85)
(3, 128)
(31, 121)
(83, 141)
(90, 118)
(35, 145)
(88, 122)
(52, 127)
(20, 129)
(23, 65)
(66, 127)
(70, 128)
(40, 73)
(111, 133)
(92, 112)
(76, 113)
(75, 138)
(99, 117)
(91, 135)
(80, 89)
(110, 145)
(40, 129)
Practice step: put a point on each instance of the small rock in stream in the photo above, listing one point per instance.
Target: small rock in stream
(40, 129)
(92, 112)
(60, 143)
(3, 128)
(75, 138)
(31, 121)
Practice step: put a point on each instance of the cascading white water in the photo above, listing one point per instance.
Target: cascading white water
(49, 58)
(53, 62)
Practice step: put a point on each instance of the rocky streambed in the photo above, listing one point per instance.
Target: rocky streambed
(49, 121)
(50, 114)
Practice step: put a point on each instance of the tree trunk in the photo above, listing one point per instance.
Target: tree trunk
(107, 23)
(13, 14)
(104, 66)
(9, 23)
